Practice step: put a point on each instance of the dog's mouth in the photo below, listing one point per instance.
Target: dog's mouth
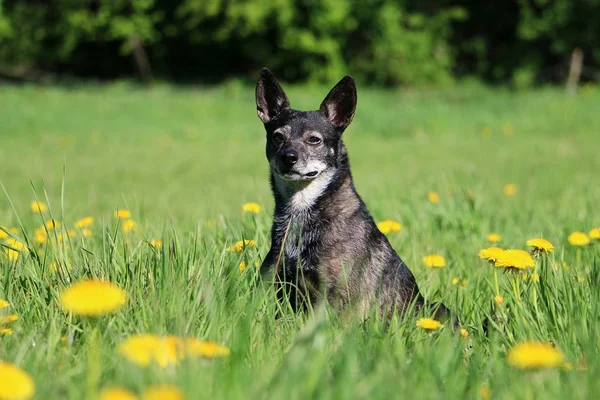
(298, 177)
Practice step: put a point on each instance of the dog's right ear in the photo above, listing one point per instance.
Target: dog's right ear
(270, 97)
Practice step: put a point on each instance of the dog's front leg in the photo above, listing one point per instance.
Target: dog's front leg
(267, 268)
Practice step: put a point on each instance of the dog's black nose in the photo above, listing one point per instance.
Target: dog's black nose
(289, 157)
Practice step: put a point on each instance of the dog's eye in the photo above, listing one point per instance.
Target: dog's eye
(278, 137)
(314, 140)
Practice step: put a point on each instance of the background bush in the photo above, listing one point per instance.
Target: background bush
(384, 42)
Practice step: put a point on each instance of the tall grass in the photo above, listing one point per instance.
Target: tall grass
(183, 162)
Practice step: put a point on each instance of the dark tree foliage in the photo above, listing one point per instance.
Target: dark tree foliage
(383, 42)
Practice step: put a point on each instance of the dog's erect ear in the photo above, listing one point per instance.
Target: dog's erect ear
(340, 103)
(270, 97)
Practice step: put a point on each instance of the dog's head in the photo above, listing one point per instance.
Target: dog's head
(301, 145)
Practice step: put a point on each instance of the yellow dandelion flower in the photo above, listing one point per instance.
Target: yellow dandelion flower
(128, 225)
(17, 245)
(11, 255)
(156, 243)
(116, 393)
(4, 304)
(6, 331)
(253, 208)
(38, 207)
(144, 349)
(162, 392)
(434, 261)
(40, 236)
(534, 355)
(541, 245)
(515, 259)
(122, 214)
(3, 234)
(484, 392)
(52, 224)
(594, 234)
(243, 265)
(84, 222)
(508, 129)
(464, 333)
(388, 226)
(491, 253)
(433, 197)
(578, 239)
(567, 366)
(457, 281)
(580, 278)
(169, 351)
(534, 277)
(15, 384)
(510, 189)
(494, 238)
(7, 319)
(499, 300)
(92, 298)
(139, 349)
(239, 246)
(205, 349)
(429, 324)
(86, 232)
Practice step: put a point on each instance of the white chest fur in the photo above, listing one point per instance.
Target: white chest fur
(302, 200)
(292, 225)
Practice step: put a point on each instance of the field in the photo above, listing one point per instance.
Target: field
(183, 161)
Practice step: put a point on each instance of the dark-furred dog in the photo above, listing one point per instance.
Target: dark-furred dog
(324, 241)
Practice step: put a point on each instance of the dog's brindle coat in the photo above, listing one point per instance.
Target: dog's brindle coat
(323, 238)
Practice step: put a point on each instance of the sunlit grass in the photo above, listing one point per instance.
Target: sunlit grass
(164, 193)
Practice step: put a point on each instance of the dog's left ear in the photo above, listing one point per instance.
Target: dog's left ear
(340, 103)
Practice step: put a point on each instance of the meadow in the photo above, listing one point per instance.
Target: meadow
(145, 188)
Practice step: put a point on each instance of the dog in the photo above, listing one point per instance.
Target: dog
(324, 242)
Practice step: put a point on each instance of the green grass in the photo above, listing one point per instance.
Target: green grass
(185, 160)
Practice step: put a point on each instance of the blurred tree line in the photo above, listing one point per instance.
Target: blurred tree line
(383, 42)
